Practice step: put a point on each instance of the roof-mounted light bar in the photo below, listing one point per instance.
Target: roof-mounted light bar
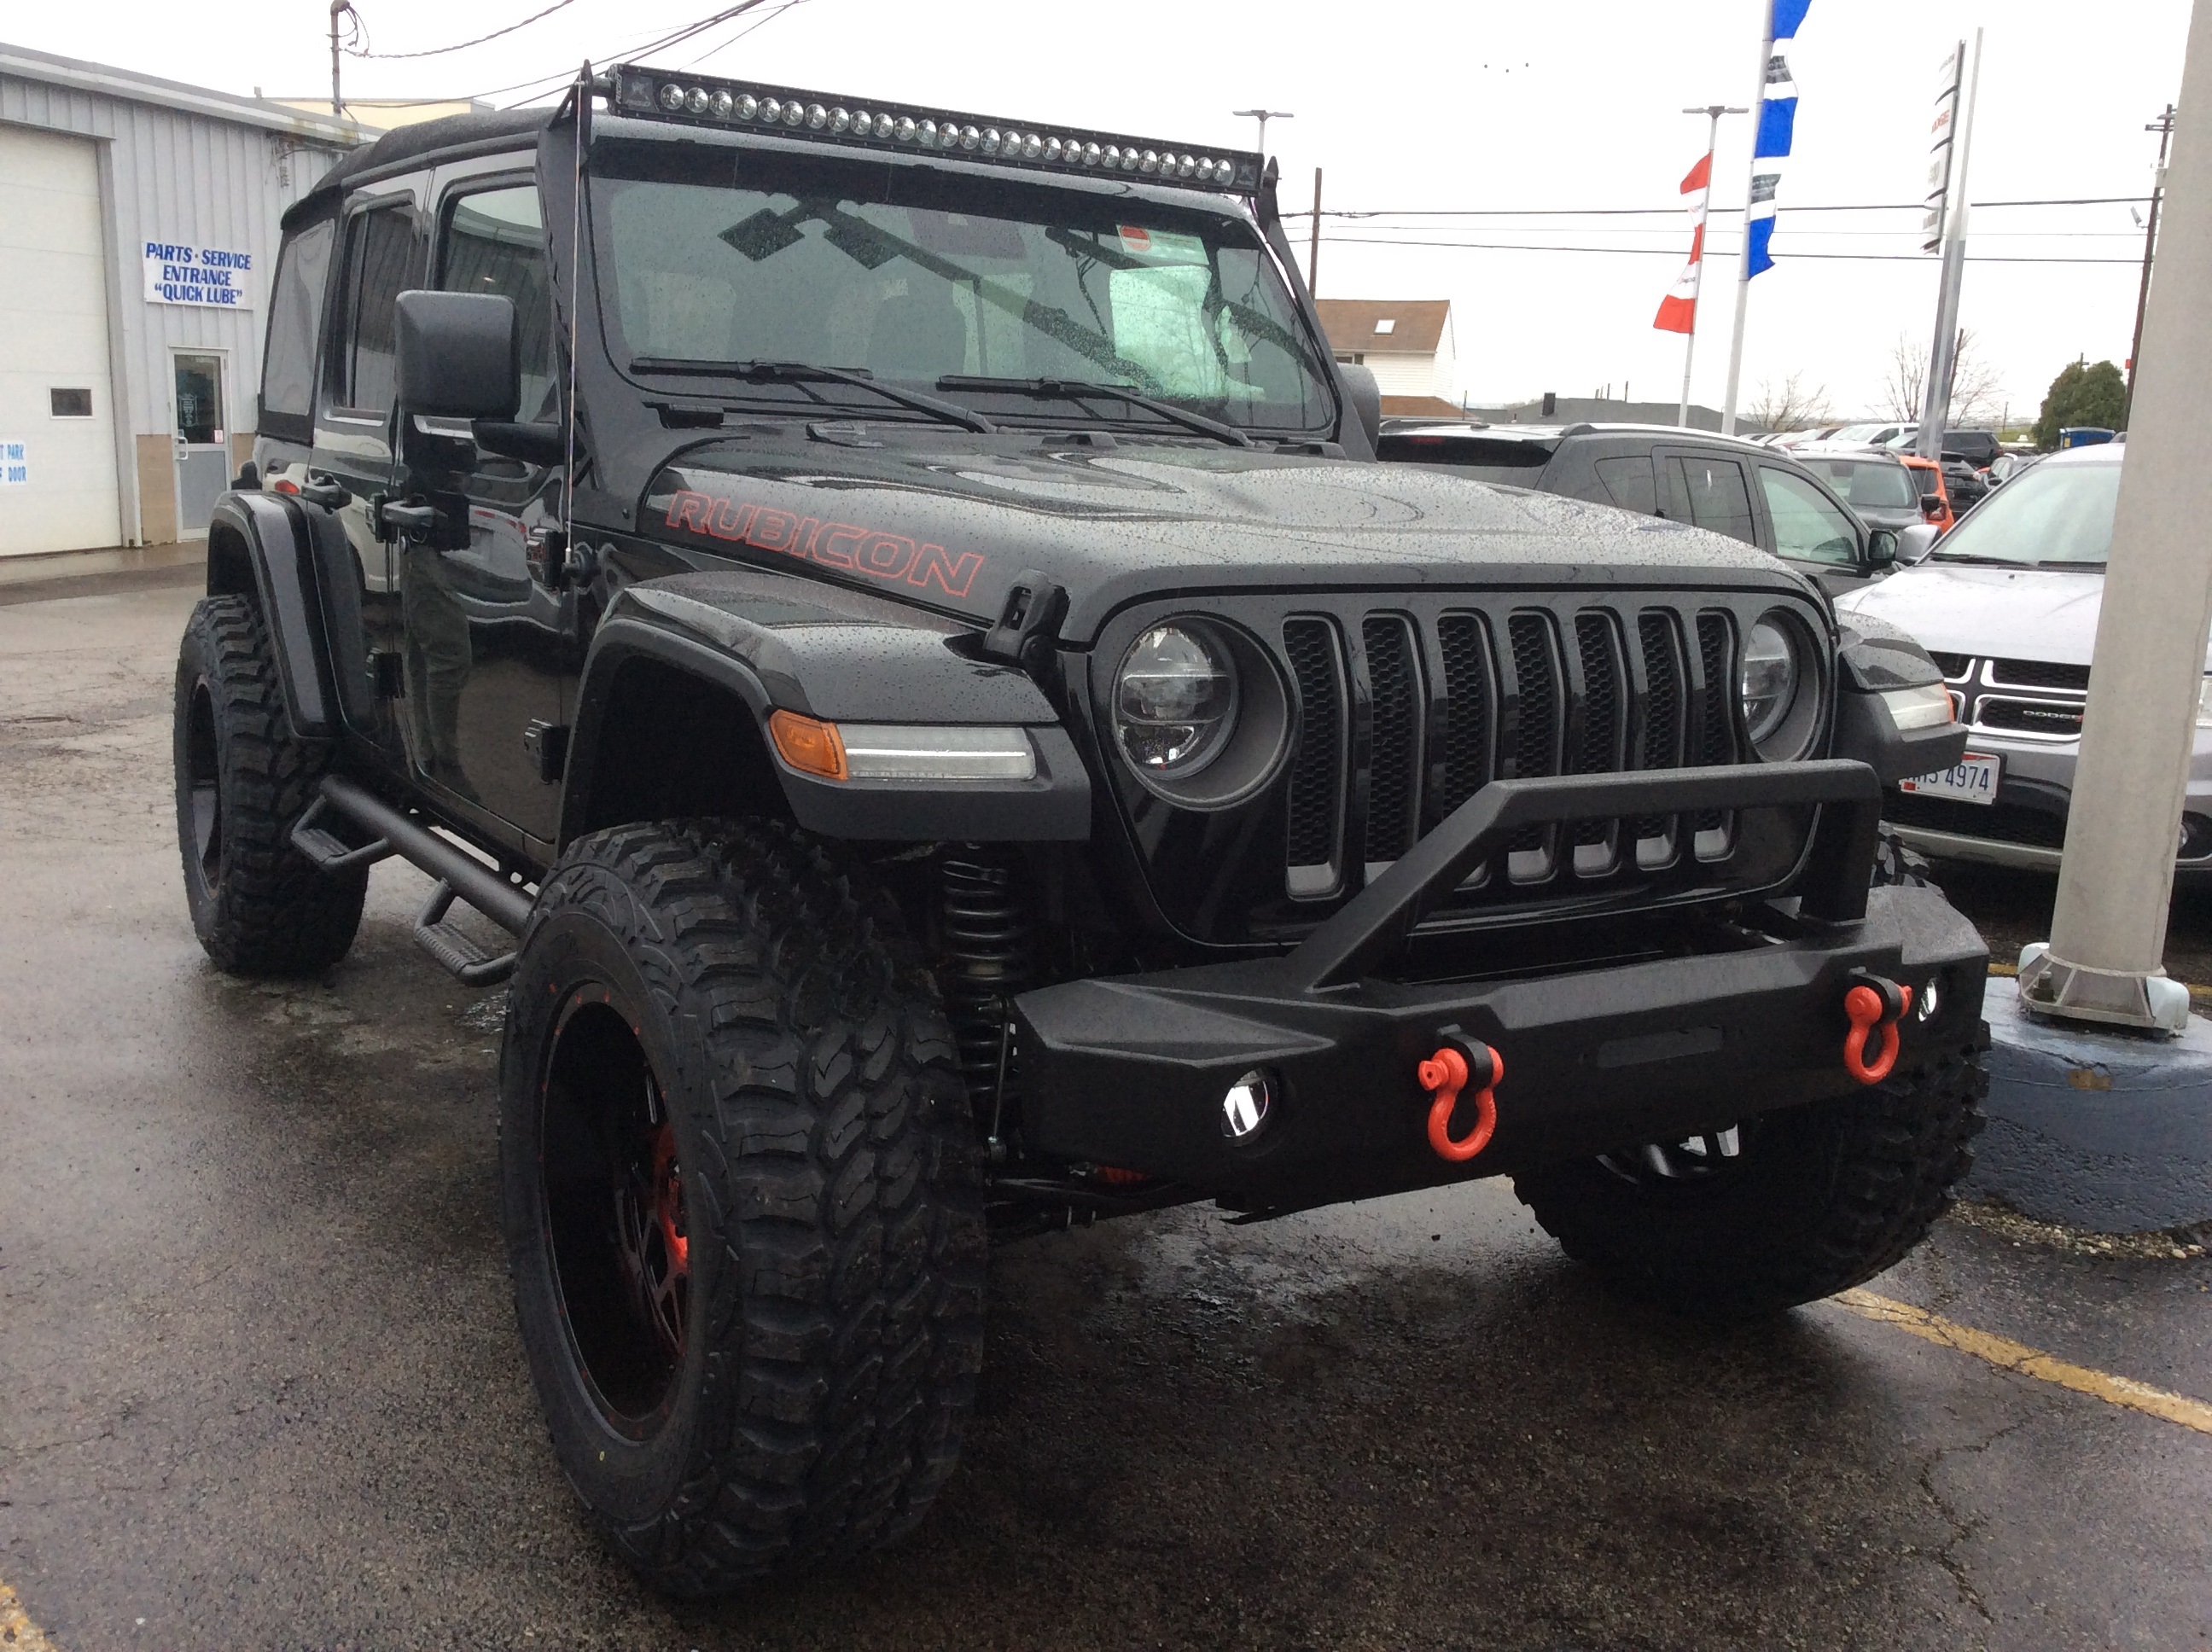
(745, 105)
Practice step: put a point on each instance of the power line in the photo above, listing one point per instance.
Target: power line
(1676, 212)
(441, 50)
(1675, 253)
(538, 85)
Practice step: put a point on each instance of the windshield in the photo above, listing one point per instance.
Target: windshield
(2053, 513)
(1877, 484)
(913, 277)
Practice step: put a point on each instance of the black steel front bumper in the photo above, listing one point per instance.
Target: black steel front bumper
(1130, 1071)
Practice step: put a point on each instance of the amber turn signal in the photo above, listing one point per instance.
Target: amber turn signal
(808, 745)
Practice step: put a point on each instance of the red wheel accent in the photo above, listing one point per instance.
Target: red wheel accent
(1864, 1006)
(1444, 1075)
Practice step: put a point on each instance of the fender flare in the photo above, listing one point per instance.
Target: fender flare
(263, 544)
(837, 670)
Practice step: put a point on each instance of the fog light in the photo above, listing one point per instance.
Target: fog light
(1246, 1106)
(1929, 1002)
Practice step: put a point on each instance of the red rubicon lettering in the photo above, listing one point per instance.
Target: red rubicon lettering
(833, 544)
(953, 574)
(886, 555)
(731, 521)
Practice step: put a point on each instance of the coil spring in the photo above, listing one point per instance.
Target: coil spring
(989, 944)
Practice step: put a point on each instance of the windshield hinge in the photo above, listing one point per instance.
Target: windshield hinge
(1029, 619)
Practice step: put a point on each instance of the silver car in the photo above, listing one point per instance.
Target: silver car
(2007, 603)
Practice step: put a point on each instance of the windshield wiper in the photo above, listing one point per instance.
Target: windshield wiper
(800, 372)
(1075, 389)
(1969, 556)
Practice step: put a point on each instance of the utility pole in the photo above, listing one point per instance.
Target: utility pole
(338, 8)
(2164, 127)
(1263, 115)
(2116, 881)
(1313, 245)
(1712, 112)
(1944, 355)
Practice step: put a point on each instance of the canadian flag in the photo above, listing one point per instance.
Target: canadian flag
(1677, 311)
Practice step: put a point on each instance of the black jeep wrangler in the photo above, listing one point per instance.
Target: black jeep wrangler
(897, 615)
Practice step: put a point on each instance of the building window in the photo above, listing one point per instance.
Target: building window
(1388, 323)
(69, 403)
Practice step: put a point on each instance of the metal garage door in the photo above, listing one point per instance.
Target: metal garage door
(58, 483)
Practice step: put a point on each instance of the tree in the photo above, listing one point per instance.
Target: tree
(1977, 388)
(2083, 393)
(1791, 407)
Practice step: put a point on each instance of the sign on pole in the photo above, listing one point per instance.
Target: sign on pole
(1935, 219)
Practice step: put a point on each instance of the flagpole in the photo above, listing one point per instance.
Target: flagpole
(1743, 255)
(1713, 112)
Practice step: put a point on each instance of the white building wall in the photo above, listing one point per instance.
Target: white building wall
(1403, 375)
(176, 173)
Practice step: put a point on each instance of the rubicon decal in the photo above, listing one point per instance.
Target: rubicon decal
(833, 544)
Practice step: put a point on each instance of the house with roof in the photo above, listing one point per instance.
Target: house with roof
(1407, 343)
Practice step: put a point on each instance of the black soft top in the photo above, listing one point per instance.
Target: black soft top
(406, 143)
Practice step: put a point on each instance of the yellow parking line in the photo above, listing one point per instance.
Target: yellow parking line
(2029, 1361)
(17, 1633)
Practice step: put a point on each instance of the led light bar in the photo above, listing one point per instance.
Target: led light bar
(743, 106)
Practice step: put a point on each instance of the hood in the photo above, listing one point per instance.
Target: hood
(955, 526)
(1958, 608)
(1898, 517)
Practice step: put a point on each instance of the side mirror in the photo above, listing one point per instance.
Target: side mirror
(1916, 542)
(1931, 505)
(1881, 549)
(458, 355)
(1366, 397)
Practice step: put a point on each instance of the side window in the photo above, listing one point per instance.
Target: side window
(295, 312)
(379, 265)
(495, 242)
(1629, 481)
(1718, 499)
(1806, 524)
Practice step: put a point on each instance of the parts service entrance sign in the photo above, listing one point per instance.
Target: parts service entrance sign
(178, 272)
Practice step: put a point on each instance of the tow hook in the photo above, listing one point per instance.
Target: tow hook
(1460, 1063)
(1873, 1003)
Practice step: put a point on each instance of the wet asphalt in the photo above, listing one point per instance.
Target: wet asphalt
(261, 1385)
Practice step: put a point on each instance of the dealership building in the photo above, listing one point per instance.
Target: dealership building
(138, 234)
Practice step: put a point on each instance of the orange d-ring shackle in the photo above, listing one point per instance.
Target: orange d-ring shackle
(1873, 1003)
(1444, 1075)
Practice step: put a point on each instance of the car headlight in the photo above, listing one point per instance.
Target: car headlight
(1174, 699)
(1780, 689)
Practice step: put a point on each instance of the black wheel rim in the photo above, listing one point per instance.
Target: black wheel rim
(615, 1228)
(203, 785)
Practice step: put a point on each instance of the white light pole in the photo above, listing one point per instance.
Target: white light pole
(2108, 934)
(1944, 355)
(1263, 115)
(1743, 254)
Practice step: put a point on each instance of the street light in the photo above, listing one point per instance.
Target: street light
(1263, 115)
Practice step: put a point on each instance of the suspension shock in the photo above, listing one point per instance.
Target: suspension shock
(990, 957)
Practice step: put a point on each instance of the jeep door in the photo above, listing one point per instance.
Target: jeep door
(493, 639)
(381, 254)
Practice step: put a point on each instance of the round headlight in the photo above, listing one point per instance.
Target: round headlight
(1769, 679)
(1175, 700)
(1780, 682)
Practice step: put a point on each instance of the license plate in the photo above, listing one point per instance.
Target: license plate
(1973, 779)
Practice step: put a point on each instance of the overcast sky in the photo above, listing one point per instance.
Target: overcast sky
(1440, 105)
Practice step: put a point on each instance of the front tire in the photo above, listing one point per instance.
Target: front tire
(742, 1202)
(1815, 1198)
(259, 907)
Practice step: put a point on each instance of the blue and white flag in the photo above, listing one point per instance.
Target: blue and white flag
(1777, 121)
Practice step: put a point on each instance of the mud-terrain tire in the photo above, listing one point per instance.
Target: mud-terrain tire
(259, 907)
(1896, 867)
(1820, 1198)
(723, 1019)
